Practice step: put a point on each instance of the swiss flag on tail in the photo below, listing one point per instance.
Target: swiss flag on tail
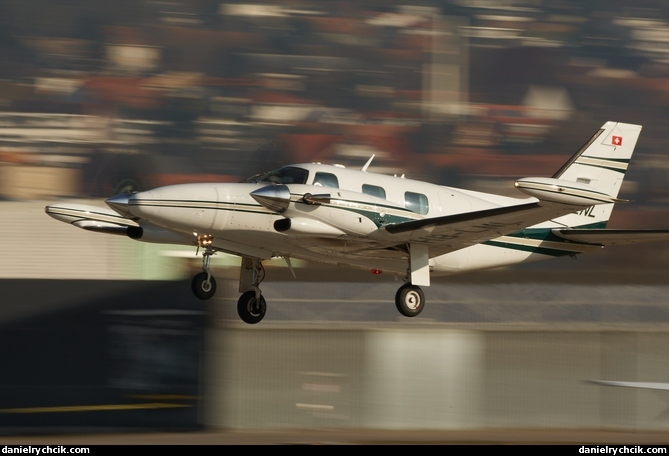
(617, 140)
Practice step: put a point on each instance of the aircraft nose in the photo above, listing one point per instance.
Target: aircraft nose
(120, 203)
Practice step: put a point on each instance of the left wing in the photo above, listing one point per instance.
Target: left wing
(611, 236)
(453, 232)
(641, 385)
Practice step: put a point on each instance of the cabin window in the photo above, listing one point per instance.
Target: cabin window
(416, 202)
(285, 175)
(326, 180)
(374, 190)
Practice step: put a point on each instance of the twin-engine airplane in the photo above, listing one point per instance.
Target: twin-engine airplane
(414, 229)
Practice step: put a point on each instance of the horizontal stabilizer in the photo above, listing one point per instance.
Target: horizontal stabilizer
(611, 236)
(560, 191)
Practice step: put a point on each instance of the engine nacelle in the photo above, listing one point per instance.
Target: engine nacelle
(157, 235)
(562, 191)
(301, 226)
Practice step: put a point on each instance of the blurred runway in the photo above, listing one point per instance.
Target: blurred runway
(353, 437)
(90, 357)
(452, 302)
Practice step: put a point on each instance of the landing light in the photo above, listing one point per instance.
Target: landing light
(205, 240)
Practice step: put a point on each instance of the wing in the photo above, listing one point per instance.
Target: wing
(611, 237)
(108, 221)
(453, 232)
(641, 385)
(90, 218)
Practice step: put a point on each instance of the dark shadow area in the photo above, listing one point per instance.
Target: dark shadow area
(99, 355)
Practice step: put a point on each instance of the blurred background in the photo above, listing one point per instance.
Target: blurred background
(100, 97)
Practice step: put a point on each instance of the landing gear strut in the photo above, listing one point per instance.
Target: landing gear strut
(204, 284)
(251, 306)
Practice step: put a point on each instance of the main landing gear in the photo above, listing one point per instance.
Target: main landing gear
(251, 306)
(410, 300)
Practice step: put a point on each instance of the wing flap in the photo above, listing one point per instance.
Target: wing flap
(612, 236)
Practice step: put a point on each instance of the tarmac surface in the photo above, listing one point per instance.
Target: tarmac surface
(63, 322)
(353, 437)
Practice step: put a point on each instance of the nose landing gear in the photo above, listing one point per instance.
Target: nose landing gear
(204, 284)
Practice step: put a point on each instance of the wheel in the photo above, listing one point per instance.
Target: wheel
(202, 288)
(250, 309)
(410, 300)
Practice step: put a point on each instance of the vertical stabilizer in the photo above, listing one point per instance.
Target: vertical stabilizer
(603, 160)
(600, 163)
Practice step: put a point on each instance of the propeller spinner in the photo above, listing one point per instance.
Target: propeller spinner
(274, 197)
(120, 204)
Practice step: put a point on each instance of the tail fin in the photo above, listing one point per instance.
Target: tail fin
(603, 160)
(600, 163)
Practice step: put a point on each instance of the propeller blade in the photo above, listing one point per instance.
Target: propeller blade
(323, 198)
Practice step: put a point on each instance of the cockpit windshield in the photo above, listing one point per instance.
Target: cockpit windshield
(285, 175)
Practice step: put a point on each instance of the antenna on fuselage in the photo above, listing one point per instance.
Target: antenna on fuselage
(364, 168)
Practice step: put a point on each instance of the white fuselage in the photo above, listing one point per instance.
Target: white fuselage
(333, 230)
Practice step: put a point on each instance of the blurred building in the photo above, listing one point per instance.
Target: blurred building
(461, 93)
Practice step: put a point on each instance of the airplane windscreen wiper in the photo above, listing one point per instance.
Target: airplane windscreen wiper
(285, 175)
(254, 179)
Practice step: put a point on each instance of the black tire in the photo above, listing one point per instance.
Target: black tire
(201, 288)
(250, 310)
(410, 300)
